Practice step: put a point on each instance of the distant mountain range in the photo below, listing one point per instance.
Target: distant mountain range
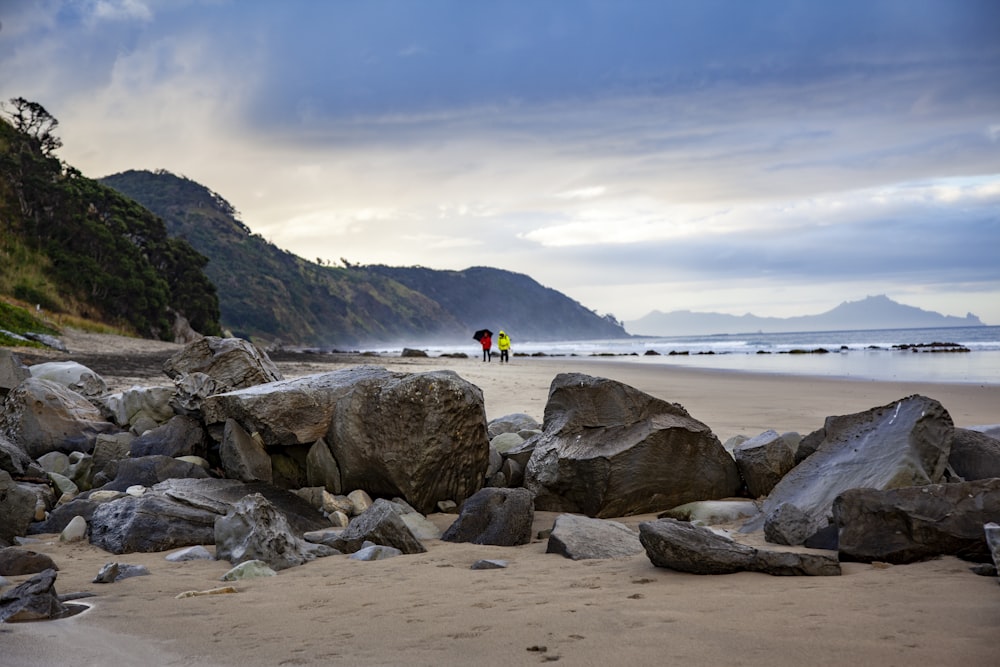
(873, 312)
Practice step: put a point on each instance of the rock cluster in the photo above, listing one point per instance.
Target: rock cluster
(275, 472)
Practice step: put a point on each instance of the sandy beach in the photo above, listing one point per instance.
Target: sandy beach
(432, 609)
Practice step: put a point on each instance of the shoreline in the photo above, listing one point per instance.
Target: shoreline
(432, 609)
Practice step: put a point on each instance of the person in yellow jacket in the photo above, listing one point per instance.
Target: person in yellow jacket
(503, 343)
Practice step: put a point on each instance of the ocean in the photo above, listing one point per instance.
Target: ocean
(865, 354)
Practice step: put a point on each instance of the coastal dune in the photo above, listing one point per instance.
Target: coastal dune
(432, 609)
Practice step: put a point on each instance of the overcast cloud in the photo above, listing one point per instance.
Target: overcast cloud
(774, 157)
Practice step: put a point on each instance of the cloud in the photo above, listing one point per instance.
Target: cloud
(685, 147)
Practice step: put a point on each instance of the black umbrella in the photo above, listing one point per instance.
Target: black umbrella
(481, 334)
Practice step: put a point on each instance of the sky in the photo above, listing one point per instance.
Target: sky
(776, 157)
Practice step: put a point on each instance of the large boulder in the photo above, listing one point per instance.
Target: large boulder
(686, 547)
(905, 443)
(42, 416)
(501, 517)
(232, 362)
(72, 375)
(974, 455)
(421, 436)
(254, 530)
(581, 538)
(608, 449)
(917, 522)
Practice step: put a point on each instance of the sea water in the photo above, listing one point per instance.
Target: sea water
(863, 354)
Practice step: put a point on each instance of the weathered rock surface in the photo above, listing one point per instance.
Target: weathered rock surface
(16, 462)
(12, 371)
(501, 517)
(42, 416)
(17, 509)
(254, 530)
(918, 522)
(762, 461)
(379, 524)
(420, 436)
(905, 443)
(151, 470)
(992, 533)
(711, 512)
(581, 538)
(15, 561)
(72, 375)
(698, 550)
(974, 455)
(180, 436)
(34, 600)
(232, 362)
(243, 456)
(182, 512)
(609, 450)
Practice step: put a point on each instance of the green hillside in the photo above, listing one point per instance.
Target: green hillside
(268, 293)
(70, 245)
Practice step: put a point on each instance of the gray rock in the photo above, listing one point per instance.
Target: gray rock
(112, 572)
(151, 470)
(582, 538)
(375, 552)
(992, 532)
(974, 455)
(489, 564)
(72, 375)
(75, 530)
(12, 371)
(762, 461)
(380, 524)
(501, 517)
(232, 363)
(711, 512)
(685, 547)
(379, 449)
(16, 462)
(42, 416)
(179, 436)
(17, 509)
(322, 469)
(610, 450)
(251, 569)
(506, 441)
(61, 516)
(918, 522)
(243, 456)
(34, 600)
(254, 530)
(15, 561)
(513, 423)
(905, 443)
(151, 522)
(196, 552)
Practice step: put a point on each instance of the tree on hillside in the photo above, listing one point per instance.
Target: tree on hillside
(32, 119)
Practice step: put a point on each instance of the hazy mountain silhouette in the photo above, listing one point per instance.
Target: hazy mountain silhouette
(873, 312)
